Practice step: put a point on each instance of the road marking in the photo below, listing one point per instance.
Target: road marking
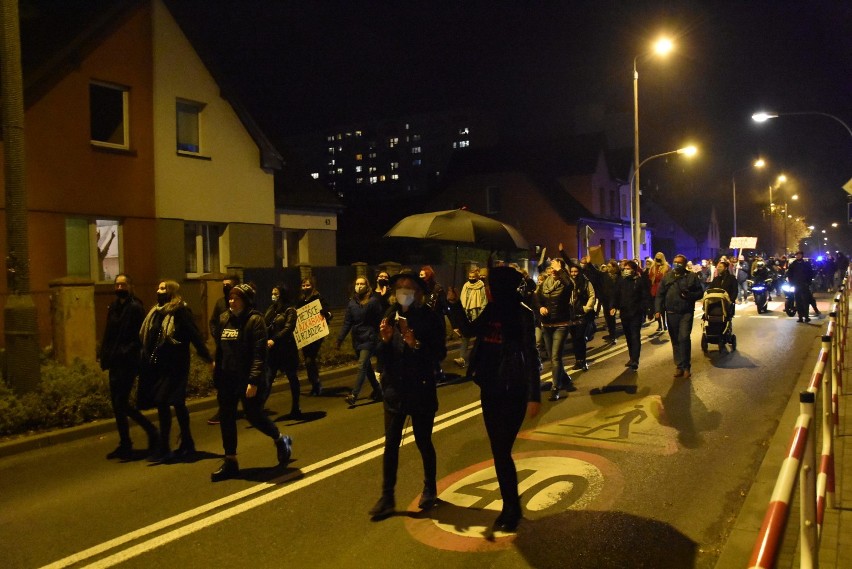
(636, 426)
(446, 420)
(549, 482)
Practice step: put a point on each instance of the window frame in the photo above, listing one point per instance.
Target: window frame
(204, 256)
(199, 111)
(94, 265)
(125, 115)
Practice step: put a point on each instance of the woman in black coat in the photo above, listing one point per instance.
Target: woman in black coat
(505, 365)
(240, 376)
(311, 351)
(280, 320)
(632, 300)
(412, 342)
(166, 334)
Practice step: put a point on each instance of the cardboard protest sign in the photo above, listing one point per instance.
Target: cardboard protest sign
(310, 324)
(596, 255)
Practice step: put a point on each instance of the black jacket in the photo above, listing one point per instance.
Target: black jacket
(631, 296)
(727, 282)
(678, 292)
(556, 300)
(362, 320)
(121, 346)
(240, 351)
(505, 361)
(408, 380)
(280, 323)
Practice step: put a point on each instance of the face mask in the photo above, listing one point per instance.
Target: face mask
(679, 267)
(307, 289)
(226, 290)
(627, 272)
(405, 297)
(360, 289)
(659, 261)
(162, 298)
(122, 294)
(274, 298)
(383, 282)
(472, 281)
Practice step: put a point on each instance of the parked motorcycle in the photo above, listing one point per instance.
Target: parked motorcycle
(760, 292)
(789, 298)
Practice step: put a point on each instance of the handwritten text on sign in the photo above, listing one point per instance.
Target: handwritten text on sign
(310, 324)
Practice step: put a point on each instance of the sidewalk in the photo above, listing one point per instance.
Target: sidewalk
(836, 540)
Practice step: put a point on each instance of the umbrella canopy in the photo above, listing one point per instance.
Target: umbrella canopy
(460, 226)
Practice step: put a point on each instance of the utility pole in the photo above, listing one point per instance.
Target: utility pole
(22, 372)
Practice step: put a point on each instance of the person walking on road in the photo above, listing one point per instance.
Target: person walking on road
(166, 334)
(553, 302)
(505, 366)
(473, 299)
(283, 355)
(240, 376)
(119, 354)
(363, 315)
(655, 276)
(631, 299)
(412, 342)
(229, 282)
(800, 274)
(311, 351)
(676, 298)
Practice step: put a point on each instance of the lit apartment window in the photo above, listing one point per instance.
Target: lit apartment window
(331, 162)
(382, 178)
(394, 176)
(455, 144)
(315, 175)
(415, 138)
(339, 136)
(359, 180)
(331, 172)
(416, 162)
(358, 133)
(372, 155)
(93, 248)
(372, 169)
(492, 200)
(340, 170)
(464, 131)
(359, 168)
(108, 115)
(393, 142)
(201, 243)
(331, 150)
(373, 179)
(330, 138)
(394, 165)
(415, 150)
(464, 143)
(359, 157)
(340, 149)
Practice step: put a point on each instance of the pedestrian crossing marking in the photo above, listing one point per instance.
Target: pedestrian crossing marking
(636, 426)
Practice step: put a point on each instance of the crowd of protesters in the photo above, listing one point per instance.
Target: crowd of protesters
(513, 322)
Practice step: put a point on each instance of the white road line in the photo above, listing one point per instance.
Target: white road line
(442, 422)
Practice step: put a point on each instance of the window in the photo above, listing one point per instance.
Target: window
(415, 150)
(394, 176)
(92, 248)
(393, 142)
(315, 175)
(201, 241)
(394, 165)
(464, 143)
(374, 179)
(189, 126)
(492, 199)
(359, 157)
(108, 116)
(331, 162)
(416, 162)
(359, 168)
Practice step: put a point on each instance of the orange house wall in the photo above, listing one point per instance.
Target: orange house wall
(66, 175)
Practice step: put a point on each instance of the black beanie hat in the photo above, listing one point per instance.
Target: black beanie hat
(245, 292)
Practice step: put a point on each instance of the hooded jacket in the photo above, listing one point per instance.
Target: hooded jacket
(240, 351)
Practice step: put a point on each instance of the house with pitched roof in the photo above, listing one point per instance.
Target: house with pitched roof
(139, 157)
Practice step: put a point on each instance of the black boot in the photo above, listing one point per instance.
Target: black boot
(428, 497)
(230, 469)
(383, 508)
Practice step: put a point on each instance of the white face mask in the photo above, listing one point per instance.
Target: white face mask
(405, 297)
(359, 288)
(274, 298)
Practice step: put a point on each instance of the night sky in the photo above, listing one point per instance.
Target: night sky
(305, 66)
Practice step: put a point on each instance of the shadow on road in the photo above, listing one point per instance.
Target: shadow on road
(307, 417)
(730, 360)
(685, 411)
(603, 540)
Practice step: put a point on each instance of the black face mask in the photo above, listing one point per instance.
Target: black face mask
(382, 282)
(122, 294)
(162, 298)
(226, 290)
(472, 281)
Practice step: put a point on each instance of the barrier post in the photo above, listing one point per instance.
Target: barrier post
(808, 536)
(826, 475)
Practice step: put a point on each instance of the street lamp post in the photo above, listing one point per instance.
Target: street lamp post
(661, 47)
(781, 179)
(634, 181)
(786, 215)
(765, 116)
(759, 163)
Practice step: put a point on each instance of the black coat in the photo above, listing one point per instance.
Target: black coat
(631, 296)
(121, 346)
(727, 282)
(408, 381)
(362, 320)
(240, 351)
(280, 323)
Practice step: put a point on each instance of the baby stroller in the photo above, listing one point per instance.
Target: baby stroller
(716, 324)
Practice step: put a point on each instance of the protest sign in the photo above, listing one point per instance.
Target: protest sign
(310, 324)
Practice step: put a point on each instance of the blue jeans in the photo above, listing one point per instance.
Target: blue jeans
(365, 371)
(680, 328)
(554, 341)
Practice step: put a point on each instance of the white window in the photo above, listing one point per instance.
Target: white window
(415, 150)
(464, 143)
(359, 168)
(393, 142)
(372, 169)
(394, 165)
(189, 126)
(373, 179)
(93, 248)
(340, 170)
(394, 176)
(464, 130)
(331, 150)
(108, 115)
(315, 175)
(359, 180)
(332, 162)
(201, 241)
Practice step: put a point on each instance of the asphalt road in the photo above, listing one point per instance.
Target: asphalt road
(631, 470)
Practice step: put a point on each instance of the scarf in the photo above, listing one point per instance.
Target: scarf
(168, 325)
(552, 286)
(473, 299)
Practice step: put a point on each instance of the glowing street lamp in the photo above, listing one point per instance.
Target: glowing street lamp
(764, 116)
(661, 47)
(688, 151)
